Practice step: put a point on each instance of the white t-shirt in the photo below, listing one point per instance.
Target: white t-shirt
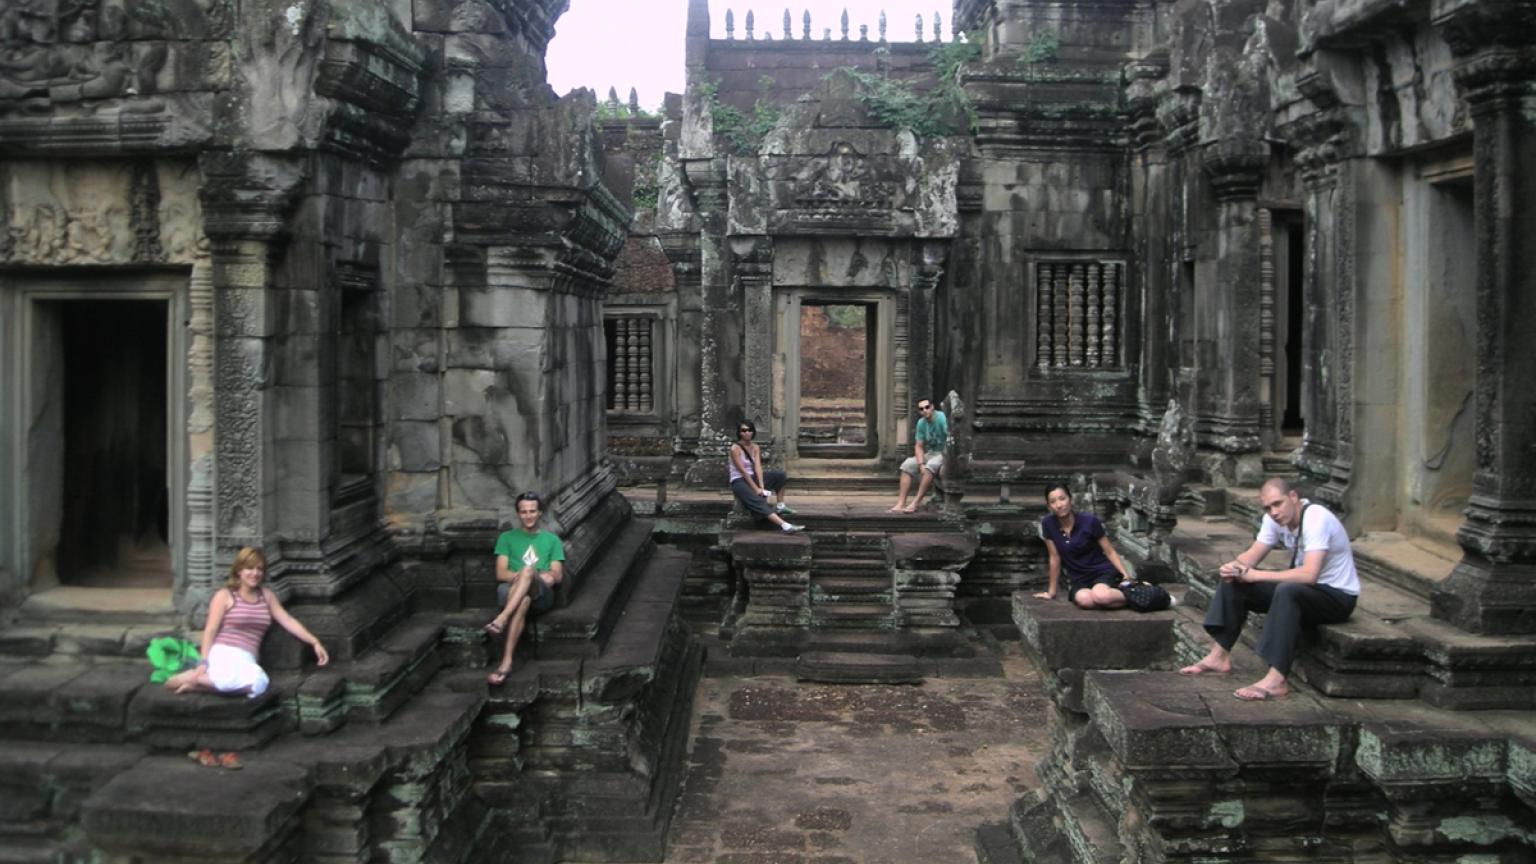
(1321, 531)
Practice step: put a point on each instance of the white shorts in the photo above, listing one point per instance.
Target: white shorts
(232, 669)
(934, 462)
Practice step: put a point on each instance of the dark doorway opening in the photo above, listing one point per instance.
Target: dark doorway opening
(836, 380)
(1291, 422)
(114, 525)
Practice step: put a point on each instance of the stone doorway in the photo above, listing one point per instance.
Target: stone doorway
(114, 519)
(98, 434)
(835, 368)
(836, 371)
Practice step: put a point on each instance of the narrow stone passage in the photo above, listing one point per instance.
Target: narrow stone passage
(786, 773)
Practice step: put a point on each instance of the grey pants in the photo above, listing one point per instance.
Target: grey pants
(1290, 606)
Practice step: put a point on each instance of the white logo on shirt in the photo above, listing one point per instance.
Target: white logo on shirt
(530, 557)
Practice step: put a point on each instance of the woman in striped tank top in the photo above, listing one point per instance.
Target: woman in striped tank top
(238, 617)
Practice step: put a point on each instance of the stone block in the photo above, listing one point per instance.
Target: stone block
(509, 307)
(415, 446)
(414, 396)
(465, 391)
(770, 550)
(1153, 721)
(411, 493)
(142, 812)
(921, 551)
(1063, 636)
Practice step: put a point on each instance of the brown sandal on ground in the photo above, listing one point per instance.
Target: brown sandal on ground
(204, 757)
(230, 761)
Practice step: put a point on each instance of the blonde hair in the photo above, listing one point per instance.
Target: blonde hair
(247, 557)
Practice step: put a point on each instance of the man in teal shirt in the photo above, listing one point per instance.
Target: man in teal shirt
(539, 557)
(927, 456)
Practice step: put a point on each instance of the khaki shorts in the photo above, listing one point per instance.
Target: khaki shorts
(934, 462)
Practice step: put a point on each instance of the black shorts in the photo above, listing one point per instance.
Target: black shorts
(1077, 583)
(541, 596)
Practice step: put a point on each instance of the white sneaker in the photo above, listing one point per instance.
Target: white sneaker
(1172, 601)
(792, 529)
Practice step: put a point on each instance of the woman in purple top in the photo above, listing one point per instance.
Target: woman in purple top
(1094, 571)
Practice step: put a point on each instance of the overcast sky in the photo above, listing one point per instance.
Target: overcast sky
(639, 43)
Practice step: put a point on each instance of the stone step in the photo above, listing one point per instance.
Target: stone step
(995, 845)
(580, 628)
(853, 615)
(1072, 829)
(833, 588)
(42, 786)
(1415, 566)
(852, 567)
(846, 667)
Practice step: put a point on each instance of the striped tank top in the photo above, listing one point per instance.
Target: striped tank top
(245, 624)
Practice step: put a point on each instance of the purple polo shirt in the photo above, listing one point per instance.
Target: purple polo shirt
(1080, 554)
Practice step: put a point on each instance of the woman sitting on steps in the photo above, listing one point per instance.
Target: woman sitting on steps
(1077, 542)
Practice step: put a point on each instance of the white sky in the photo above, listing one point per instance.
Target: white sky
(639, 43)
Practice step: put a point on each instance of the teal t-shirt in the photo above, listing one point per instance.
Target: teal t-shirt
(521, 548)
(933, 434)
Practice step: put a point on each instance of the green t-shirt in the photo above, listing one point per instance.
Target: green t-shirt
(935, 434)
(522, 549)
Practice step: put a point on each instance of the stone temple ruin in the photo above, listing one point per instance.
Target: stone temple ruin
(340, 278)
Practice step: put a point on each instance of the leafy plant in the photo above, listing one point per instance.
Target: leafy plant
(744, 132)
(895, 103)
(1041, 48)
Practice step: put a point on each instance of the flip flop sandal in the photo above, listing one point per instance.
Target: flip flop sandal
(230, 761)
(204, 757)
(497, 678)
(1262, 694)
(495, 628)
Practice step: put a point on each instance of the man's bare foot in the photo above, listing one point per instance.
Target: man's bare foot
(897, 509)
(910, 508)
(1206, 666)
(1255, 693)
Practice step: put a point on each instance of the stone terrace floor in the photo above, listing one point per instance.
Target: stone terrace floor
(781, 772)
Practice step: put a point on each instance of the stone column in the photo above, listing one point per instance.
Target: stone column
(1493, 589)
(1151, 272)
(752, 269)
(246, 200)
(927, 271)
(1235, 168)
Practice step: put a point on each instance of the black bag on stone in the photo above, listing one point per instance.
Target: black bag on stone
(1145, 596)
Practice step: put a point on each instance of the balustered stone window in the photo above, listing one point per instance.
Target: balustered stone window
(1077, 312)
(631, 363)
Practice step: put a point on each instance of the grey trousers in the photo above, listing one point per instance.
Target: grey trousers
(1290, 606)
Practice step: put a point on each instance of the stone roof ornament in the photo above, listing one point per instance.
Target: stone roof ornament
(750, 21)
(787, 34)
(938, 29)
(863, 32)
(730, 24)
(845, 24)
(882, 25)
(805, 26)
(919, 18)
(634, 102)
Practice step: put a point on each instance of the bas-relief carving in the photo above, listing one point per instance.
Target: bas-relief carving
(80, 213)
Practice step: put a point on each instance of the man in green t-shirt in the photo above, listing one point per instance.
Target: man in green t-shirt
(539, 557)
(927, 455)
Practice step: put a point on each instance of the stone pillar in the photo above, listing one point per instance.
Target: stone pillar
(1151, 272)
(752, 269)
(246, 200)
(1235, 168)
(927, 272)
(1493, 589)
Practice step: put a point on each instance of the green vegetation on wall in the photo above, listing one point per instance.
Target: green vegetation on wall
(743, 132)
(944, 110)
(1041, 48)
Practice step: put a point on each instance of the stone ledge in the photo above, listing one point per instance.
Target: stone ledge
(1063, 636)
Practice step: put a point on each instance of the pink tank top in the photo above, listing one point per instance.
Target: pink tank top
(245, 624)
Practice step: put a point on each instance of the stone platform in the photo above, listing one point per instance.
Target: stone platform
(1402, 739)
(398, 752)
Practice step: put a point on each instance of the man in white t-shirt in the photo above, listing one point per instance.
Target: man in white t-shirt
(1320, 587)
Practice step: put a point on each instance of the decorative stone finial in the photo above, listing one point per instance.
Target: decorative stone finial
(805, 25)
(826, 34)
(845, 24)
(919, 28)
(787, 34)
(750, 22)
(882, 25)
(863, 32)
(613, 96)
(730, 24)
(938, 31)
(634, 102)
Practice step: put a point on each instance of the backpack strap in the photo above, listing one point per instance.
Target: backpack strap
(1301, 524)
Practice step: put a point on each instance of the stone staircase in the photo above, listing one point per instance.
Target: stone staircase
(1402, 738)
(851, 581)
(397, 752)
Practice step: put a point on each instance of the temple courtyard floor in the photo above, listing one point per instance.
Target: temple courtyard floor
(783, 772)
